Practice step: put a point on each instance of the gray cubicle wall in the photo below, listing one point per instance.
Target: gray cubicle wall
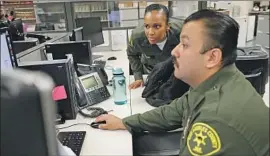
(37, 53)
(263, 23)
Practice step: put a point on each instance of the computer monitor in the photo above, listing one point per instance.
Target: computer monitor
(8, 60)
(27, 114)
(20, 46)
(80, 50)
(41, 38)
(62, 73)
(77, 34)
(92, 29)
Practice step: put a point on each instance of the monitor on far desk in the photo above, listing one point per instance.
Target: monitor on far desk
(20, 46)
(81, 51)
(92, 29)
(78, 35)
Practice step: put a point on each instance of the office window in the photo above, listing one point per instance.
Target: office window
(92, 9)
(50, 16)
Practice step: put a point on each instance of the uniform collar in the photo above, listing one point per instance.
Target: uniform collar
(161, 44)
(217, 79)
(211, 84)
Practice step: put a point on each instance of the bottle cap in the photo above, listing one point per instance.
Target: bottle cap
(117, 71)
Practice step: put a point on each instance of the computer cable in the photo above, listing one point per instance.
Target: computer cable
(72, 125)
(59, 119)
(96, 111)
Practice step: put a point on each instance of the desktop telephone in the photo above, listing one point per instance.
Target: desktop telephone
(93, 89)
(84, 69)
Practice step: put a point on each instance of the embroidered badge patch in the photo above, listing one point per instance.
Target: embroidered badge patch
(203, 140)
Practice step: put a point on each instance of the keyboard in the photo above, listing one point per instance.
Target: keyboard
(100, 62)
(73, 140)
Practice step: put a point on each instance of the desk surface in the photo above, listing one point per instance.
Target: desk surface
(138, 104)
(102, 142)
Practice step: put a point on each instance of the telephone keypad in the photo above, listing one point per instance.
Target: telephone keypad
(98, 95)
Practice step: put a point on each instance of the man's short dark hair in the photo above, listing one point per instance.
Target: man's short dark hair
(158, 7)
(221, 32)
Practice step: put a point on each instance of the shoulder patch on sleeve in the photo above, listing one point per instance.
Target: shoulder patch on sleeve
(203, 140)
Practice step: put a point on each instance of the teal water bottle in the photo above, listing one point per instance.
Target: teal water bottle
(119, 86)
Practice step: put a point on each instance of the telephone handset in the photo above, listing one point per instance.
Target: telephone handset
(81, 95)
(93, 88)
(84, 69)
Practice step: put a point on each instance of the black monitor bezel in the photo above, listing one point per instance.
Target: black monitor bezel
(72, 42)
(99, 30)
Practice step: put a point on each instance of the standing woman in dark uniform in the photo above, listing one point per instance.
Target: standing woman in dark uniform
(152, 43)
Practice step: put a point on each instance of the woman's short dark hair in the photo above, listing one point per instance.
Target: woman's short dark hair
(158, 7)
(221, 32)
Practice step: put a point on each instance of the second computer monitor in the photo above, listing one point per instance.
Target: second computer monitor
(80, 50)
(92, 29)
(20, 46)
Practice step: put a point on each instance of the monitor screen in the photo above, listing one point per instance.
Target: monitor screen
(92, 29)
(89, 82)
(81, 51)
(6, 58)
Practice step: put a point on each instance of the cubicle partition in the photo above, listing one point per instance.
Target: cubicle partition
(115, 39)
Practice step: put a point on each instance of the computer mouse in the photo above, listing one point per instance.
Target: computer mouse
(96, 124)
(112, 58)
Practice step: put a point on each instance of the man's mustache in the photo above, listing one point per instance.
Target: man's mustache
(174, 60)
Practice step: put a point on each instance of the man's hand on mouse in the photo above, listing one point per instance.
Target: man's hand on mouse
(136, 84)
(112, 122)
